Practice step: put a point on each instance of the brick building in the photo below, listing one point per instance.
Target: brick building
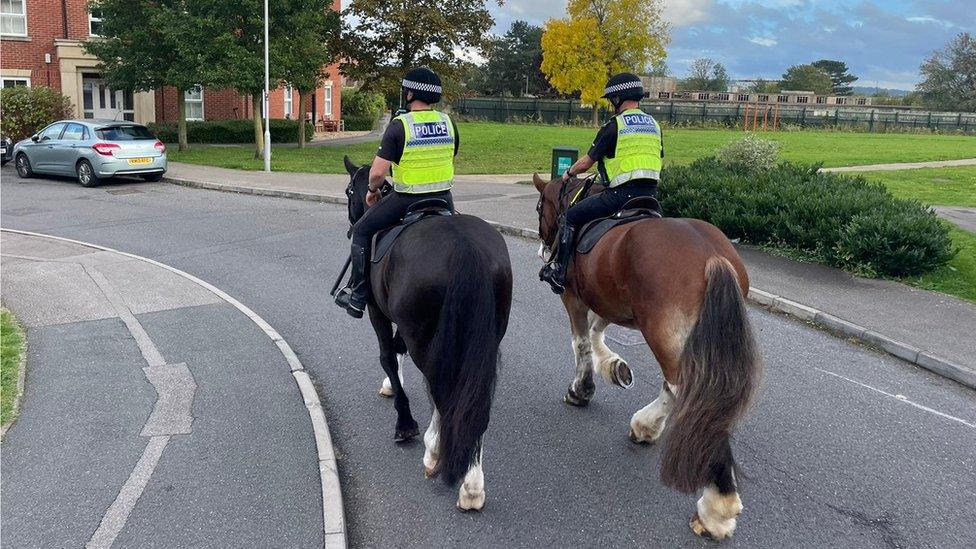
(41, 45)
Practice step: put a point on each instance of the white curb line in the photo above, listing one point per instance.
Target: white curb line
(333, 515)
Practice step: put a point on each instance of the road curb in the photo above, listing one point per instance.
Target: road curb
(21, 377)
(333, 514)
(920, 357)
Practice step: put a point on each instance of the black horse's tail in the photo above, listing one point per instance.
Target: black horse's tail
(464, 355)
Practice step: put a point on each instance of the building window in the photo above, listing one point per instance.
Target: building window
(13, 82)
(721, 97)
(327, 107)
(663, 95)
(13, 17)
(840, 101)
(289, 94)
(862, 101)
(763, 98)
(782, 98)
(194, 103)
(703, 96)
(95, 21)
(802, 99)
(743, 97)
(821, 100)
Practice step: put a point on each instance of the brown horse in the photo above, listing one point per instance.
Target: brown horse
(681, 283)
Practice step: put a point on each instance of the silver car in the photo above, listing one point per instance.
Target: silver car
(92, 150)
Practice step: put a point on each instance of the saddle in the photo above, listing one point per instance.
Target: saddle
(636, 209)
(422, 209)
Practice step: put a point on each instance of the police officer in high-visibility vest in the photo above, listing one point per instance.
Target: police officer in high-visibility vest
(419, 146)
(628, 152)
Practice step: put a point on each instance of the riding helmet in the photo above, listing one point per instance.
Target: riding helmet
(424, 83)
(622, 87)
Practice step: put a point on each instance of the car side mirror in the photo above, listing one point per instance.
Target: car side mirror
(35, 138)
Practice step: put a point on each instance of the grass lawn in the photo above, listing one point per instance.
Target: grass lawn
(936, 186)
(958, 278)
(522, 148)
(11, 349)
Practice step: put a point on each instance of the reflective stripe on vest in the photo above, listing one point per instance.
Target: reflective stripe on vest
(427, 163)
(638, 152)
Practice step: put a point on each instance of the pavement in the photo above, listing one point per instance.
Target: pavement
(903, 166)
(964, 218)
(157, 412)
(846, 446)
(930, 329)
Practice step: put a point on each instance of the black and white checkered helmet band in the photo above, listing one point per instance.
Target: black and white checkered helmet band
(419, 86)
(620, 87)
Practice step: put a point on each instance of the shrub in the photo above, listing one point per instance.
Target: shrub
(361, 109)
(228, 131)
(750, 151)
(24, 111)
(840, 220)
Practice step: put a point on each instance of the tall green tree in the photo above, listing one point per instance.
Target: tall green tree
(381, 40)
(514, 62)
(705, 74)
(141, 49)
(761, 85)
(598, 39)
(949, 76)
(840, 76)
(301, 44)
(806, 78)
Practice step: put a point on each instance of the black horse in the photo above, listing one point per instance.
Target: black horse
(447, 286)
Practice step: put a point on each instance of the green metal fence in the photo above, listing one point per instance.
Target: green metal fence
(564, 111)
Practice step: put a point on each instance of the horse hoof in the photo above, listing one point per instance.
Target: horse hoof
(698, 528)
(635, 439)
(574, 400)
(467, 503)
(429, 473)
(385, 393)
(621, 375)
(405, 435)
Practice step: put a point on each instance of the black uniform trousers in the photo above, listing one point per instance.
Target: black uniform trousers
(609, 201)
(388, 212)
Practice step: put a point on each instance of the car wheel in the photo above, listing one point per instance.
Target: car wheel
(23, 166)
(86, 174)
(152, 177)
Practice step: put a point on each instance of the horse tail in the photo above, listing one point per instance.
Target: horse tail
(464, 349)
(718, 373)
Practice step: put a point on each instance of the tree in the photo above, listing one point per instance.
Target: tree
(705, 75)
(761, 85)
(599, 39)
(949, 76)
(658, 68)
(514, 62)
(141, 46)
(389, 38)
(301, 35)
(840, 78)
(806, 78)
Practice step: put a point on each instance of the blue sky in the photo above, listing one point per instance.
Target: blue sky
(882, 41)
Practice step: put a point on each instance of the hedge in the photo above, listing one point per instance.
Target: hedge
(229, 131)
(360, 110)
(836, 219)
(24, 111)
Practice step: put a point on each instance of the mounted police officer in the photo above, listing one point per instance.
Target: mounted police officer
(419, 146)
(628, 152)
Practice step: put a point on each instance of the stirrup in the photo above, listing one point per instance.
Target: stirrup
(549, 274)
(344, 300)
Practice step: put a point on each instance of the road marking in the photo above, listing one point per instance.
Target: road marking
(118, 513)
(901, 398)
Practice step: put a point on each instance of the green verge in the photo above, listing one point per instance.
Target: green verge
(958, 277)
(11, 350)
(955, 186)
(488, 147)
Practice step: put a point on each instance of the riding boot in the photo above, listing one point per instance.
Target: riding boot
(353, 297)
(555, 271)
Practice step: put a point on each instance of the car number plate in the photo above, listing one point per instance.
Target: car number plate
(133, 161)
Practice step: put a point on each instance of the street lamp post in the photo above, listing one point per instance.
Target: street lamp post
(267, 97)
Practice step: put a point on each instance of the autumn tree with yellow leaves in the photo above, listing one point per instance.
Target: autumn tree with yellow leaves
(601, 38)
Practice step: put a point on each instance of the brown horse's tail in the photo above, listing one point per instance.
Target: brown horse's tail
(718, 373)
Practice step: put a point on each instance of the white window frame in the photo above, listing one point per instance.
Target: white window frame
(193, 100)
(22, 15)
(289, 99)
(23, 79)
(327, 102)
(93, 19)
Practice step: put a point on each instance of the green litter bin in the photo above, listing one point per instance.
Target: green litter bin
(562, 159)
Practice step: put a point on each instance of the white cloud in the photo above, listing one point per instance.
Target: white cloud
(929, 19)
(763, 40)
(686, 12)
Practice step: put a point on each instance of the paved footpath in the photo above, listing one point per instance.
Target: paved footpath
(903, 166)
(156, 412)
(930, 329)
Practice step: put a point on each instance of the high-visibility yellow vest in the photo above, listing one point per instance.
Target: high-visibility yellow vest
(427, 163)
(638, 152)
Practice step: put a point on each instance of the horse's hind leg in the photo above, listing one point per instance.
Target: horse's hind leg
(581, 389)
(665, 335)
(432, 443)
(406, 427)
(386, 389)
(719, 504)
(471, 495)
(613, 368)
(648, 423)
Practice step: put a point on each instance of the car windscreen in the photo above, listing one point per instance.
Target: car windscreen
(124, 133)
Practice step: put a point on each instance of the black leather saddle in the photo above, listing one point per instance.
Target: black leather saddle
(422, 209)
(636, 209)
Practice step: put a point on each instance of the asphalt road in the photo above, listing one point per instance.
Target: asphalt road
(845, 447)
